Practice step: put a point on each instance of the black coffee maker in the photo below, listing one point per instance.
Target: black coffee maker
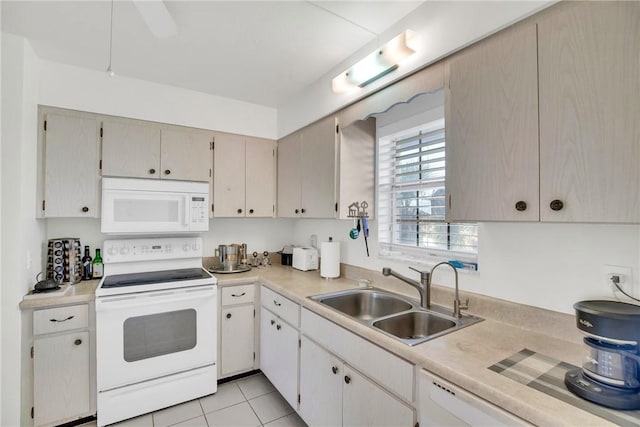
(610, 373)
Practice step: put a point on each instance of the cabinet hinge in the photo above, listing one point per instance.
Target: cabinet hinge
(254, 314)
(274, 153)
(273, 208)
(336, 206)
(209, 172)
(298, 398)
(337, 128)
(299, 343)
(32, 352)
(32, 412)
(43, 203)
(100, 166)
(449, 201)
(254, 355)
(45, 125)
(211, 207)
(417, 424)
(211, 145)
(101, 132)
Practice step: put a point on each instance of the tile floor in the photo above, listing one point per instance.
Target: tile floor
(246, 402)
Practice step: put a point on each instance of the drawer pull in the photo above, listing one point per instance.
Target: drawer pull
(278, 327)
(273, 322)
(228, 315)
(334, 369)
(277, 304)
(347, 379)
(78, 342)
(240, 295)
(63, 320)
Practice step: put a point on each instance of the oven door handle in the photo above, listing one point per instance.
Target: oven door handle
(158, 297)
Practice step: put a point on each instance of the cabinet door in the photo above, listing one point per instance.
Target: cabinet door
(279, 355)
(236, 339)
(289, 175)
(260, 186)
(71, 155)
(366, 404)
(229, 176)
(318, 169)
(589, 132)
(320, 385)
(130, 149)
(492, 130)
(61, 378)
(186, 155)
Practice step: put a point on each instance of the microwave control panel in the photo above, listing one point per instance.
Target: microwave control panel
(199, 210)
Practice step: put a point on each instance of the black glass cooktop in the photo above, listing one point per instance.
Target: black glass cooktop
(137, 279)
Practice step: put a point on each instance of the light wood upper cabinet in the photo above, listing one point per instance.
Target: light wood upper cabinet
(244, 176)
(130, 149)
(186, 154)
(136, 149)
(492, 130)
(70, 152)
(589, 110)
(307, 172)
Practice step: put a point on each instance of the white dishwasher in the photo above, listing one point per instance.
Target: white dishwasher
(443, 404)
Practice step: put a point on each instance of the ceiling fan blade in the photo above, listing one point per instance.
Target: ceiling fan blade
(157, 17)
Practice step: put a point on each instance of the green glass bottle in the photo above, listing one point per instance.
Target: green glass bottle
(97, 265)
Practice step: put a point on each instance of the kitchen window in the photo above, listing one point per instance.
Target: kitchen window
(411, 198)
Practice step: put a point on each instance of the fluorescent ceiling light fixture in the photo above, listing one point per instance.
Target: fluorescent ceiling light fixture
(375, 65)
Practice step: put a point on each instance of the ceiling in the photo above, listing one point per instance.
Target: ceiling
(263, 52)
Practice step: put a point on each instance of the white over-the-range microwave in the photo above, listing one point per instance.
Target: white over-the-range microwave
(154, 206)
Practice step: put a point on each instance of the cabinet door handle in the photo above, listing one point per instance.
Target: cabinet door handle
(63, 320)
(239, 295)
(228, 315)
(250, 211)
(78, 342)
(85, 209)
(152, 171)
(347, 379)
(239, 211)
(334, 369)
(167, 172)
(278, 327)
(273, 322)
(556, 205)
(278, 304)
(521, 206)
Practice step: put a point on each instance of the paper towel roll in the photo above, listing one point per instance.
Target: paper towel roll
(330, 259)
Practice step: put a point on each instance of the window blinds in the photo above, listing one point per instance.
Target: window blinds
(411, 194)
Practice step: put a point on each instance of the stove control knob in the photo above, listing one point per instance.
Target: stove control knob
(124, 250)
(195, 247)
(112, 250)
(185, 247)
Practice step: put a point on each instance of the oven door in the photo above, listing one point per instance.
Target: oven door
(153, 334)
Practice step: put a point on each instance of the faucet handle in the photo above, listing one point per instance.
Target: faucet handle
(415, 269)
(424, 274)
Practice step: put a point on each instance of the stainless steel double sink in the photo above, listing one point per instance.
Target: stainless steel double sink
(394, 315)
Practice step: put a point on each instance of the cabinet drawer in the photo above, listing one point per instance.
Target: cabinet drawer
(233, 295)
(383, 367)
(60, 319)
(288, 310)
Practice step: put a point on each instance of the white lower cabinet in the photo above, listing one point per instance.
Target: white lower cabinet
(64, 387)
(443, 404)
(237, 330)
(333, 393)
(279, 355)
(346, 380)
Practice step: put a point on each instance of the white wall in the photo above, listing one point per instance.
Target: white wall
(89, 90)
(22, 234)
(441, 27)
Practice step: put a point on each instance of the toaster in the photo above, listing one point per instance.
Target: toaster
(305, 258)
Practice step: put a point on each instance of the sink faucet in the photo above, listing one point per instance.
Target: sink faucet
(458, 305)
(423, 286)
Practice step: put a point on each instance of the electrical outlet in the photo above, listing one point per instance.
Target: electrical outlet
(626, 280)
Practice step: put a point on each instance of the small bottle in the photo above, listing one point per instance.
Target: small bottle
(97, 265)
(87, 270)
